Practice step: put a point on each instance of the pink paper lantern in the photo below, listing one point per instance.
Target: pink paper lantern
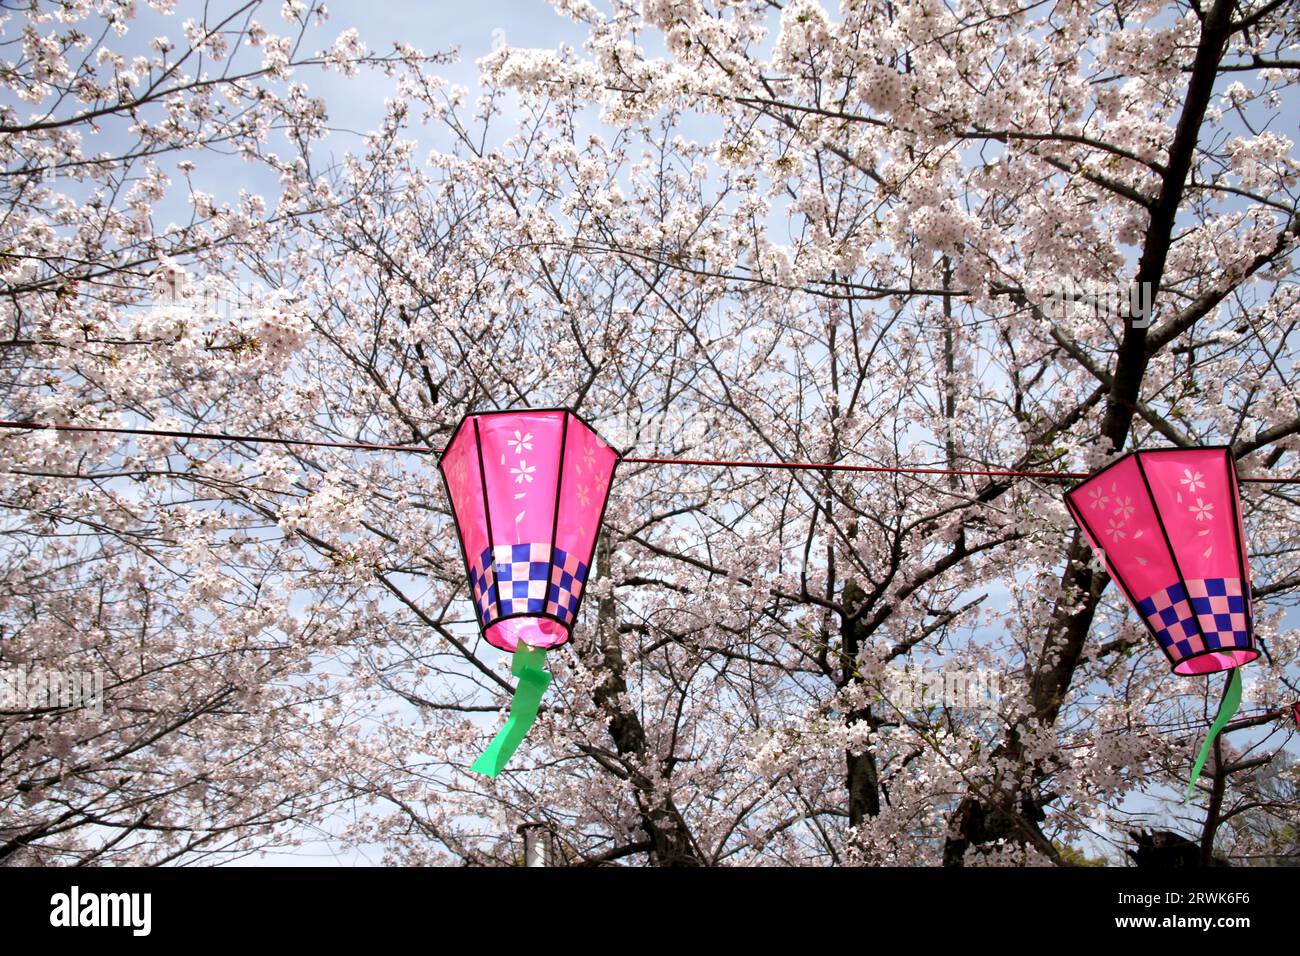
(528, 490)
(1167, 526)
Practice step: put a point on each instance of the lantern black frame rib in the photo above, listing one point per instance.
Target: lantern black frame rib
(1238, 532)
(555, 515)
(1086, 525)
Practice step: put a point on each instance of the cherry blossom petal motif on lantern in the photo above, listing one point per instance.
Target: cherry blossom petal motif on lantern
(1166, 523)
(528, 490)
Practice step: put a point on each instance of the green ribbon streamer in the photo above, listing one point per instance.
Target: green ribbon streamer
(1231, 701)
(528, 666)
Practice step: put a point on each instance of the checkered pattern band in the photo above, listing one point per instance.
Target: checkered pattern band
(1212, 607)
(526, 579)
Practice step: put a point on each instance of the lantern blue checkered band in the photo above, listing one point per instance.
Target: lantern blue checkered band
(526, 579)
(1214, 607)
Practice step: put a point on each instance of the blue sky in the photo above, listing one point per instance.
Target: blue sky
(473, 28)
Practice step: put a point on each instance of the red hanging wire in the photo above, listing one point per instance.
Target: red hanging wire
(827, 466)
(699, 462)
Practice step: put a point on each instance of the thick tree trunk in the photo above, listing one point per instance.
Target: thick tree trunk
(862, 779)
(667, 831)
(1081, 587)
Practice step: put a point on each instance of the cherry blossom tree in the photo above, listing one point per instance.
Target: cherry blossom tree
(125, 559)
(731, 230)
(938, 170)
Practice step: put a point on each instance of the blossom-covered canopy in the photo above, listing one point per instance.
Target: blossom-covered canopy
(1167, 525)
(528, 489)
